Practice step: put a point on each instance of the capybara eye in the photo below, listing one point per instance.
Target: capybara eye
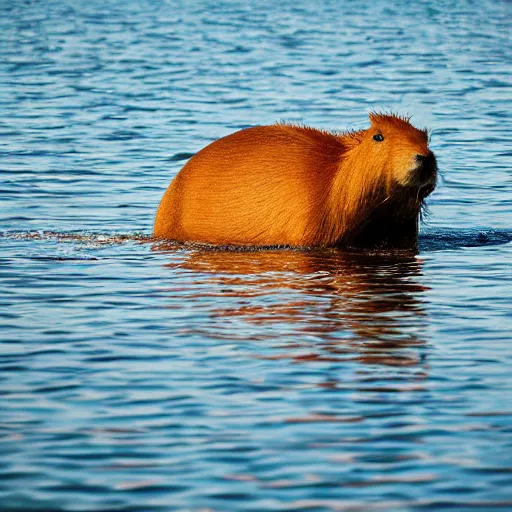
(378, 137)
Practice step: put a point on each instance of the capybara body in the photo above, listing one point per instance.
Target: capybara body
(302, 187)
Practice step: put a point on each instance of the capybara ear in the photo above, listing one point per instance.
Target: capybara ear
(373, 117)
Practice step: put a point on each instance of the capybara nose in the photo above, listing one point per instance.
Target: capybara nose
(426, 167)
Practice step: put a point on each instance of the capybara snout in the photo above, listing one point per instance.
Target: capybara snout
(427, 169)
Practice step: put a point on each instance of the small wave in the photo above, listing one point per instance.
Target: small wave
(434, 240)
(445, 239)
(80, 237)
(178, 157)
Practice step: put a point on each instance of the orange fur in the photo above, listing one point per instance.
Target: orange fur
(298, 186)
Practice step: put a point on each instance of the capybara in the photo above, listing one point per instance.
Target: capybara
(285, 185)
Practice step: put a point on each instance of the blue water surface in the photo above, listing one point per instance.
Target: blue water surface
(139, 377)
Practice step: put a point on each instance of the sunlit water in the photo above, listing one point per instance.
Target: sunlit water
(140, 377)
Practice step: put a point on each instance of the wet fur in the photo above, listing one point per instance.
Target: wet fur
(301, 187)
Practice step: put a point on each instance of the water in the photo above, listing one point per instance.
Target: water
(142, 377)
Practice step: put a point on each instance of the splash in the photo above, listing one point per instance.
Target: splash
(432, 240)
(88, 238)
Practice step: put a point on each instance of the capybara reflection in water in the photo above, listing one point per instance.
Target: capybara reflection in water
(301, 187)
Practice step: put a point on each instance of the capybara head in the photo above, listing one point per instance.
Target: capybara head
(399, 152)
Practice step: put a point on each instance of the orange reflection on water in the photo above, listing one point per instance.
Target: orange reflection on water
(336, 304)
